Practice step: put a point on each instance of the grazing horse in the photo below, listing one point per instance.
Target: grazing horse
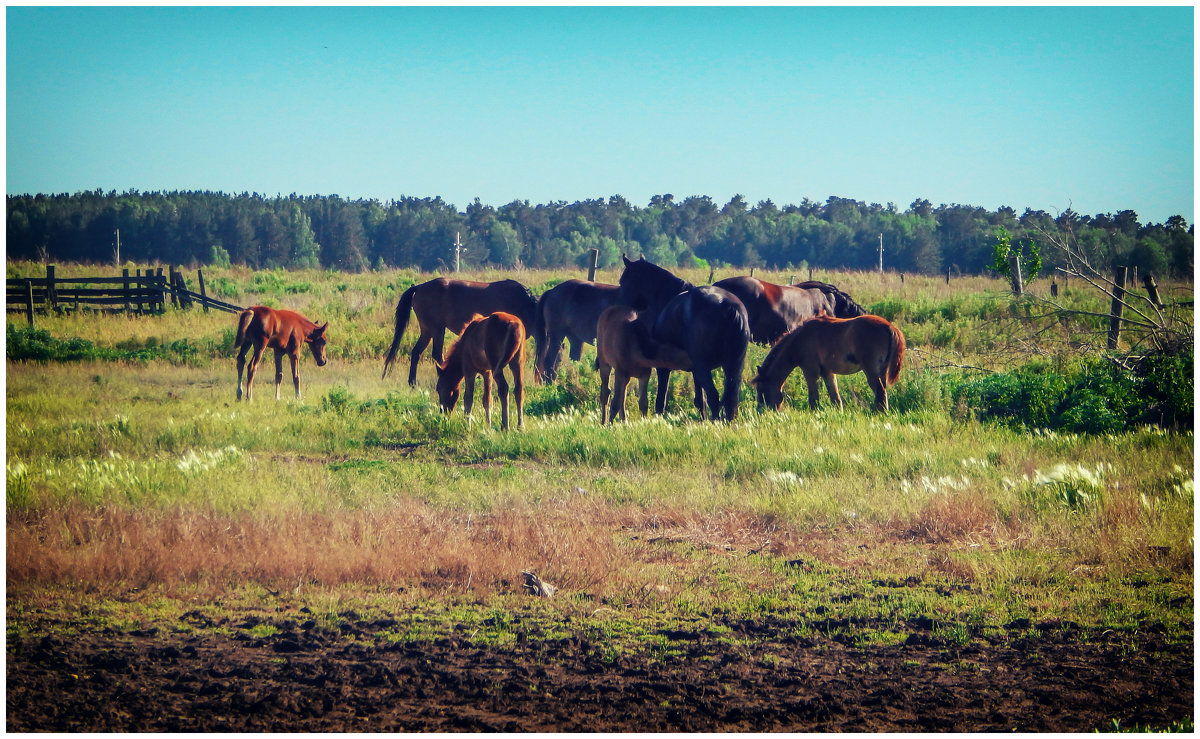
(569, 310)
(284, 331)
(825, 346)
(486, 345)
(624, 345)
(442, 304)
(709, 323)
(776, 309)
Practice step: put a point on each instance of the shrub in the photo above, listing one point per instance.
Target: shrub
(1097, 396)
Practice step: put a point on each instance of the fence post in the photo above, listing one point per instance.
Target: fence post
(947, 275)
(1118, 306)
(592, 260)
(51, 291)
(1152, 289)
(171, 283)
(810, 274)
(203, 295)
(161, 305)
(29, 300)
(1014, 263)
(125, 286)
(711, 272)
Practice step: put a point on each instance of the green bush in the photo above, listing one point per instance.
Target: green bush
(33, 344)
(1097, 396)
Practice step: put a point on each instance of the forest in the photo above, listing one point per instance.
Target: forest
(198, 228)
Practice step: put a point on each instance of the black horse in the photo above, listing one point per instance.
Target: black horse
(776, 309)
(709, 323)
(569, 311)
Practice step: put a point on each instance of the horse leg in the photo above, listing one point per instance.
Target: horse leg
(831, 385)
(713, 395)
(487, 396)
(259, 346)
(605, 393)
(278, 371)
(618, 401)
(468, 395)
(518, 373)
(811, 377)
(877, 383)
(553, 355)
(644, 394)
(664, 387)
(295, 374)
(439, 340)
(502, 391)
(576, 348)
(241, 362)
(415, 357)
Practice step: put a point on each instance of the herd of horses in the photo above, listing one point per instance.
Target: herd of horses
(652, 321)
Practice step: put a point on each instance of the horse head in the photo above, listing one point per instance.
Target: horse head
(769, 393)
(316, 342)
(645, 286)
(447, 387)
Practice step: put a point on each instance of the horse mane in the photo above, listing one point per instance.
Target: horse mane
(779, 350)
(453, 351)
(844, 305)
(660, 273)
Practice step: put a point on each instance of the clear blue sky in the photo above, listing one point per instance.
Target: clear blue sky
(1049, 108)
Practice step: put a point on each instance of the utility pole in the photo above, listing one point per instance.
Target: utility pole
(457, 252)
(118, 264)
(881, 254)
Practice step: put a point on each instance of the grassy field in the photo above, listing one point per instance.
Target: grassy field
(138, 490)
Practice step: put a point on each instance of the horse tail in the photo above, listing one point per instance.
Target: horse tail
(895, 355)
(243, 323)
(736, 363)
(403, 310)
(539, 338)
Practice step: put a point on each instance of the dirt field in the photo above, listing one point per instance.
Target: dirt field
(1052, 677)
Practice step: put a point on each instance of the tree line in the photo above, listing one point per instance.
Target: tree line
(328, 231)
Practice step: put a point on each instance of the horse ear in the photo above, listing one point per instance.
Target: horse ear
(321, 329)
(626, 259)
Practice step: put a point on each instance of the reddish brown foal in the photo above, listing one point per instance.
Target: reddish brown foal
(282, 330)
(485, 346)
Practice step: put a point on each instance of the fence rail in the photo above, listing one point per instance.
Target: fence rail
(147, 292)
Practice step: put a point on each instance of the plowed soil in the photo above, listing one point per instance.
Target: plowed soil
(305, 678)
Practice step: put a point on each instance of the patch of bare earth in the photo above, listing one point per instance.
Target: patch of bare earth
(756, 677)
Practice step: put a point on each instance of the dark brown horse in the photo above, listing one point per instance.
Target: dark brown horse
(776, 309)
(823, 347)
(709, 323)
(486, 345)
(284, 331)
(624, 345)
(569, 311)
(442, 304)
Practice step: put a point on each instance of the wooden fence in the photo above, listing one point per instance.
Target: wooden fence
(146, 291)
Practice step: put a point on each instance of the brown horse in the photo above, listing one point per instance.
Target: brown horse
(569, 310)
(776, 309)
(282, 330)
(486, 345)
(442, 304)
(825, 346)
(624, 345)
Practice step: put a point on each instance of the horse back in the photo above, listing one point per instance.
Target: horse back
(493, 341)
(577, 305)
(710, 323)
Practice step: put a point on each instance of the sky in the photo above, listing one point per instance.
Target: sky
(1046, 108)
